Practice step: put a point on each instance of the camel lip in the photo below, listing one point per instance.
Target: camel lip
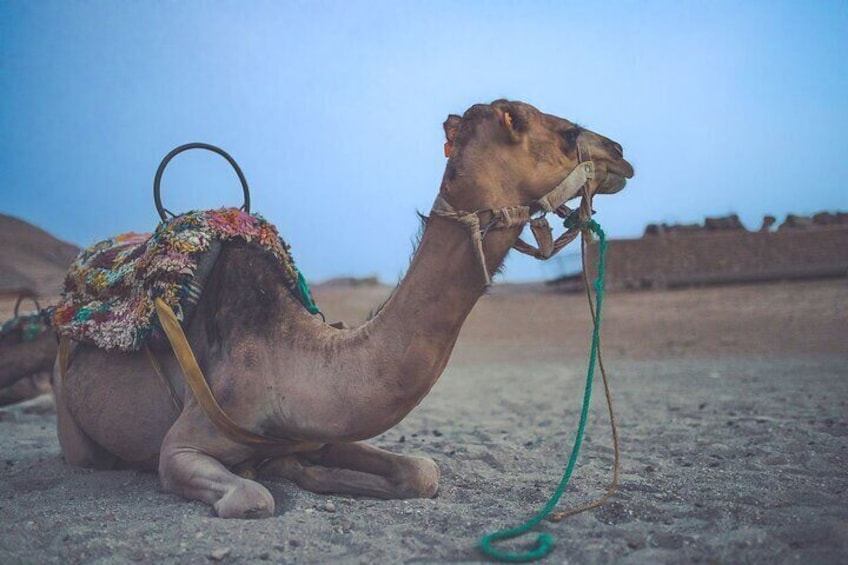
(622, 182)
(612, 184)
(621, 168)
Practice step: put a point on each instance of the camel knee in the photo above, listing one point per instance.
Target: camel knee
(417, 477)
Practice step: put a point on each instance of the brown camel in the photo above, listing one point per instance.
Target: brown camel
(25, 360)
(277, 370)
(25, 368)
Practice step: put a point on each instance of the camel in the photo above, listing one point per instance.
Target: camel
(278, 370)
(26, 361)
(25, 368)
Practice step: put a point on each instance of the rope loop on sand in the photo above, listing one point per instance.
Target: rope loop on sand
(544, 541)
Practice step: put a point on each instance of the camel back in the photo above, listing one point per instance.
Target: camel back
(109, 291)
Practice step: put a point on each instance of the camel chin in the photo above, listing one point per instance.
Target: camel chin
(612, 184)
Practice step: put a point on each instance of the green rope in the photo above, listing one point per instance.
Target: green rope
(545, 541)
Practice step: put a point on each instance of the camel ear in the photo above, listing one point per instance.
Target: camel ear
(451, 126)
(509, 125)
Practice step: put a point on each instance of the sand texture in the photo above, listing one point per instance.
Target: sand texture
(733, 422)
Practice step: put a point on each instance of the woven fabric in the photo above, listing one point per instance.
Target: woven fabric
(23, 328)
(108, 294)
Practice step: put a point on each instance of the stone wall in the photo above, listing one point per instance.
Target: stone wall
(724, 257)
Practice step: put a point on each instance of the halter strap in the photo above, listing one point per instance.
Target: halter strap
(569, 186)
(518, 216)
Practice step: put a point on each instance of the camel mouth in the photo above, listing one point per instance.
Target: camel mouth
(618, 172)
(612, 184)
(620, 168)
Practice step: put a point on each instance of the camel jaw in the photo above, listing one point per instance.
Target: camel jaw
(617, 173)
(612, 183)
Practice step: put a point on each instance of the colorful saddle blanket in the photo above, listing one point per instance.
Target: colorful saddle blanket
(109, 291)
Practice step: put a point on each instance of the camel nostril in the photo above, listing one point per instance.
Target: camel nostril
(618, 148)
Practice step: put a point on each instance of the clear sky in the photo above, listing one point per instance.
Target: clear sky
(334, 110)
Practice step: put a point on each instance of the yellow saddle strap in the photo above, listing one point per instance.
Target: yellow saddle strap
(199, 387)
(64, 353)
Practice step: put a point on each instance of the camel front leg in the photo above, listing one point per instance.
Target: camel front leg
(188, 468)
(359, 469)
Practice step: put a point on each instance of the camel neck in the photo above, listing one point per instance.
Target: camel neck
(443, 283)
(421, 321)
(383, 369)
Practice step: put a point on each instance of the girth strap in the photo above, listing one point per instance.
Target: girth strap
(63, 356)
(199, 387)
(157, 368)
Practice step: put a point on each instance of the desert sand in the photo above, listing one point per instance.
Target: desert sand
(732, 417)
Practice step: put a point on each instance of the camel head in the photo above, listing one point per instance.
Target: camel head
(509, 153)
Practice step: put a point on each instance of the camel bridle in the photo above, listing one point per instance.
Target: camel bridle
(480, 222)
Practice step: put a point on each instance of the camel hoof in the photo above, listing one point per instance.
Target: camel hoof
(249, 500)
(420, 479)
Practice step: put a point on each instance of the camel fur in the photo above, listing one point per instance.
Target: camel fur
(25, 368)
(27, 352)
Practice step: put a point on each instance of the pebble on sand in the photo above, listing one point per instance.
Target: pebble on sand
(219, 554)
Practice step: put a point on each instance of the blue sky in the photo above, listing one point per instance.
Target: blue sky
(334, 110)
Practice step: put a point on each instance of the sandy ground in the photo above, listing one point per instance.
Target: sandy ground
(733, 424)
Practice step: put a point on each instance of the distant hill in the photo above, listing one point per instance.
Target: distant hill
(31, 258)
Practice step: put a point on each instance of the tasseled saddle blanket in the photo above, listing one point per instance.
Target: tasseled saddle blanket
(109, 291)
